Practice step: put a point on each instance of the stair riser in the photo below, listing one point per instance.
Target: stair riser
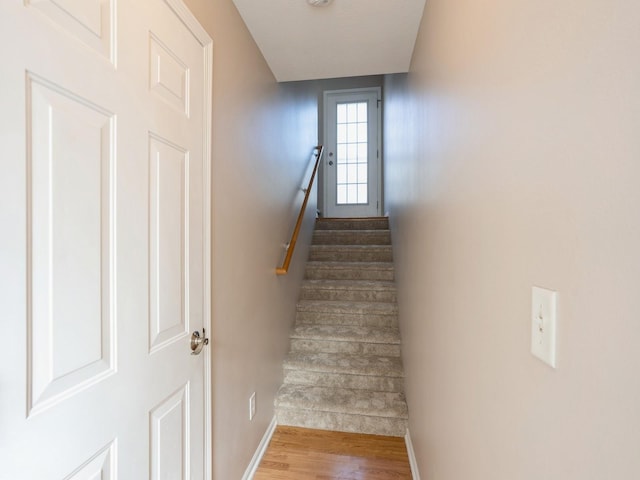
(395, 427)
(320, 273)
(364, 320)
(341, 255)
(314, 293)
(360, 382)
(332, 237)
(353, 348)
(369, 224)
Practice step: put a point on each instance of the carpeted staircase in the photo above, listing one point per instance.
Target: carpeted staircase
(344, 370)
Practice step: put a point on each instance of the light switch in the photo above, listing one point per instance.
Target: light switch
(543, 325)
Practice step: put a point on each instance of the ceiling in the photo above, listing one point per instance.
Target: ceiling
(344, 39)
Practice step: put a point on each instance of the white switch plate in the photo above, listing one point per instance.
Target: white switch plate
(252, 406)
(543, 325)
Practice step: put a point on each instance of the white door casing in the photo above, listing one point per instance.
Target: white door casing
(105, 244)
(352, 167)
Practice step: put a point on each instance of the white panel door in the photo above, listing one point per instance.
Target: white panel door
(352, 161)
(104, 241)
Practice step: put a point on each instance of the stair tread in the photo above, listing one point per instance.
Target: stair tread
(347, 333)
(341, 246)
(358, 230)
(351, 253)
(383, 366)
(343, 422)
(349, 284)
(326, 270)
(352, 237)
(343, 400)
(356, 382)
(338, 306)
(349, 265)
(352, 224)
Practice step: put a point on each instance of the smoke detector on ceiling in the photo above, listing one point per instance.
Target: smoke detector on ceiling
(319, 3)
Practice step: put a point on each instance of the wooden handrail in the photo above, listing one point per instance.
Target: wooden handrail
(296, 231)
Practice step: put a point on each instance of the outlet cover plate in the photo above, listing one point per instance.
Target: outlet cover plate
(252, 406)
(543, 324)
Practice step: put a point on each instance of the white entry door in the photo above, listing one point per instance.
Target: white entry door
(352, 160)
(104, 245)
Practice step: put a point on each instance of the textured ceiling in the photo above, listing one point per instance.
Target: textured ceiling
(345, 39)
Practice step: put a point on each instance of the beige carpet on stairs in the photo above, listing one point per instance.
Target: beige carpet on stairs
(344, 370)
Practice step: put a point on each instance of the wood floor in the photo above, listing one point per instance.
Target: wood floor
(304, 454)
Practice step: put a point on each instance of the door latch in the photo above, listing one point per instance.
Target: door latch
(198, 342)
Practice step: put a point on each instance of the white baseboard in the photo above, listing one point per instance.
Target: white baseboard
(257, 457)
(412, 457)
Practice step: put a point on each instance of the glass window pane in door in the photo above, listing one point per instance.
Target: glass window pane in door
(342, 134)
(342, 153)
(352, 153)
(362, 174)
(352, 150)
(362, 152)
(352, 113)
(352, 173)
(342, 194)
(352, 193)
(342, 113)
(362, 112)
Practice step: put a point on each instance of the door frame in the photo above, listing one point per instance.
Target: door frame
(378, 167)
(188, 18)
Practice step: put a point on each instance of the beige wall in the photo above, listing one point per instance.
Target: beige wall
(513, 159)
(262, 139)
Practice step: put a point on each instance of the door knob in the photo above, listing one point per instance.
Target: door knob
(330, 162)
(198, 342)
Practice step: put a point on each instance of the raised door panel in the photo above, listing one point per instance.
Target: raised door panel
(168, 75)
(102, 466)
(169, 425)
(70, 246)
(91, 21)
(168, 237)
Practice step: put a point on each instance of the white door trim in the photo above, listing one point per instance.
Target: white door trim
(185, 15)
(326, 95)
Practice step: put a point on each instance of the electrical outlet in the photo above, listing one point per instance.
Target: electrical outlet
(543, 325)
(252, 406)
